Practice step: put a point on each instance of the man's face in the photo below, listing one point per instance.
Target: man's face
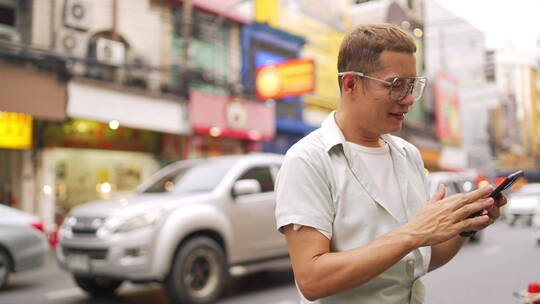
(377, 113)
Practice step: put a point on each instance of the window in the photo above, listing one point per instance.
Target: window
(262, 175)
(7, 16)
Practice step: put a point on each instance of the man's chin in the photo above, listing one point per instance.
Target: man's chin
(395, 127)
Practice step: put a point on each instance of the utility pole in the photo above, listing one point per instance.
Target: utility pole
(187, 20)
(115, 20)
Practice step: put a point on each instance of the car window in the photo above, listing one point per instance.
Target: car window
(262, 175)
(201, 177)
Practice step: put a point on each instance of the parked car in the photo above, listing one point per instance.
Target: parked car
(522, 203)
(536, 224)
(455, 182)
(23, 244)
(190, 226)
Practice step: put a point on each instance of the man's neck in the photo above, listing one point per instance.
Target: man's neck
(355, 133)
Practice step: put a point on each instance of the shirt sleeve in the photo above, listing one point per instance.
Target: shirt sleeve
(303, 196)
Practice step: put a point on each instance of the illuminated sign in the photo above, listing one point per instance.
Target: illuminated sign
(289, 78)
(15, 130)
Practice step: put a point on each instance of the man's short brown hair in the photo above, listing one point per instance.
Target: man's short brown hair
(360, 49)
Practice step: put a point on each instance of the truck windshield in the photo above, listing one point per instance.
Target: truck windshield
(199, 177)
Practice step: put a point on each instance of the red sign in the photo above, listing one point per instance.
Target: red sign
(447, 109)
(221, 116)
(289, 78)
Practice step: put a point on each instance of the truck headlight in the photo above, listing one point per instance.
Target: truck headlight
(146, 219)
(66, 226)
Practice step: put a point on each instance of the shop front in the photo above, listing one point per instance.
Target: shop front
(228, 125)
(28, 96)
(84, 160)
(113, 141)
(15, 145)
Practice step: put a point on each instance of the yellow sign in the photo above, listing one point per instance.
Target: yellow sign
(290, 78)
(15, 130)
(321, 24)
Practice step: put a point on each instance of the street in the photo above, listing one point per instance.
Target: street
(505, 261)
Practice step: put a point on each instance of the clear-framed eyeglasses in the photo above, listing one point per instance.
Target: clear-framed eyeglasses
(399, 87)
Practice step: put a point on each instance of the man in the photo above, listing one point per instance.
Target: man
(352, 199)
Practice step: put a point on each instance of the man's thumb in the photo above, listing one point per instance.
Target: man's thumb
(439, 195)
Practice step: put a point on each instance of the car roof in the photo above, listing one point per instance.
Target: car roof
(249, 156)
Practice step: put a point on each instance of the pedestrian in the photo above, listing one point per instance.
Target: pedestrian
(352, 200)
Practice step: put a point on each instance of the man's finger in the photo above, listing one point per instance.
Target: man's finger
(474, 223)
(440, 194)
(494, 213)
(474, 207)
(478, 193)
(501, 200)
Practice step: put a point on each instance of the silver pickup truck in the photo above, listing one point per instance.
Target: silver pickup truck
(190, 227)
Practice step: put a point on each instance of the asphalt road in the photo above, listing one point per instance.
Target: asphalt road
(505, 261)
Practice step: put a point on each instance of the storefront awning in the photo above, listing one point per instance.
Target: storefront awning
(30, 91)
(105, 104)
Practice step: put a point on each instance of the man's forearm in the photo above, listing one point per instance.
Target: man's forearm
(442, 253)
(334, 272)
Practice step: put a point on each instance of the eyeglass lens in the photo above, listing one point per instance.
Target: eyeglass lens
(402, 86)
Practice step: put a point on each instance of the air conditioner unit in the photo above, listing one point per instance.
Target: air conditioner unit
(9, 35)
(110, 51)
(72, 43)
(78, 14)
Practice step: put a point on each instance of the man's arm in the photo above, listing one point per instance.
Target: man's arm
(442, 253)
(321, 273)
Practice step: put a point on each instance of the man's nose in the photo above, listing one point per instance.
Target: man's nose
(408, 100)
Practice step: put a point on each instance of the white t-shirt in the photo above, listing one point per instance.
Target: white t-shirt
(381, 169)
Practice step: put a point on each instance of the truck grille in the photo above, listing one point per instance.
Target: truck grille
(93, 254)
(87, 225)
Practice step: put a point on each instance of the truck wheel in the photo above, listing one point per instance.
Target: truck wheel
(199, 272)
(5, 268)
(98, 287)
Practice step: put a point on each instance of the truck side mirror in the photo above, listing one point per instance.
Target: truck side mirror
(246, 186)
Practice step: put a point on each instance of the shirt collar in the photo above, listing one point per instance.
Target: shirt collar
(333, 136)
(331, 133)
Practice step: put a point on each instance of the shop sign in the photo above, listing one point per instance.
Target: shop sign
(321, 24)
(221, 116)
(447, 110)
(15, 130)
(289, 78)
(80, 133)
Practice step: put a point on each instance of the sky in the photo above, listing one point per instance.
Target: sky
(503, 21)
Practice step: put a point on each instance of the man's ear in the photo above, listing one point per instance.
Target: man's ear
(348, 83)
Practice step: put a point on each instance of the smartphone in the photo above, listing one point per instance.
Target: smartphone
(509, 181)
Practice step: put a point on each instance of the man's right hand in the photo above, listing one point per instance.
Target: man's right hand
(443, 218)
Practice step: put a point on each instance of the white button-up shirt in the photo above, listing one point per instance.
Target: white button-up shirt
(320, 185)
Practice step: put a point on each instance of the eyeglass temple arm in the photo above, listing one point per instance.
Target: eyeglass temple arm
(363, 75)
